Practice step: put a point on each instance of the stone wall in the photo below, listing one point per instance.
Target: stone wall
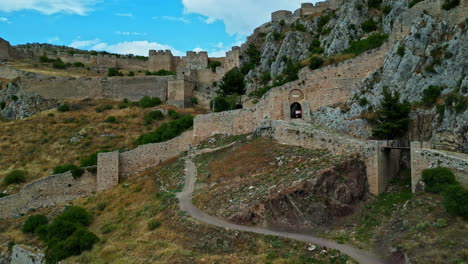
(54, 189)
(423, 156)
(108, 170)
(281, 15)
(115, 88)
(145, 156)
(161, 60)
(180, 92)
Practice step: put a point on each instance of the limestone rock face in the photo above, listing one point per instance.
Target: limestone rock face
(7, 52)
(433, 53)
(18, 105)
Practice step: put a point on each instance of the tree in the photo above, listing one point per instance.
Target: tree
(233, 83)
(393, 117)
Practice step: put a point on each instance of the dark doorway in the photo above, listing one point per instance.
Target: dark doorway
(296, 111)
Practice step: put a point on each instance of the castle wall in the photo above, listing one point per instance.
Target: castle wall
(281, 15)
(161, 60)
(108, 170)
(115, 88)
(146, 156)
(180, 92)
(423, 157)
(206, 77)
(54, 189)
(232, 59)
(195, 60)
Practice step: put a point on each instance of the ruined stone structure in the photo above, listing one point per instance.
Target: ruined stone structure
(307, 9)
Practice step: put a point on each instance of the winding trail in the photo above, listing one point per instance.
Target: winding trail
(185, 198)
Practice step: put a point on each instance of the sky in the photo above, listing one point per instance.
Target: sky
(136, 26)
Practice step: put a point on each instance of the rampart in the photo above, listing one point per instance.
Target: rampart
(54, 189)
(116, 88)
(423, 156)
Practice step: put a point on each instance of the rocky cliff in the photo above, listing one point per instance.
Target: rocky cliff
(7, 52)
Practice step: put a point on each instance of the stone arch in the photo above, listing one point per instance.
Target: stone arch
(295, 95)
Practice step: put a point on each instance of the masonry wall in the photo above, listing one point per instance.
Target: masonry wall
(423, 157)
(54, 189)
(116, 88)
(108, 170)
(146, 156)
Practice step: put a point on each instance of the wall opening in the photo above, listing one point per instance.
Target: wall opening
(296, 111)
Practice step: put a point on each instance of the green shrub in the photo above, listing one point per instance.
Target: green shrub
(75, 171)
(233, 82)
(147, 102)
(392, 118)
(322, 22)
(10, 245)
(78, 65)
(14, 98)
(45, 59)
(75, 214)
(153, 115)
(363, 101)
(413, 3)
(315, 48)
(63, 108)
(456, 201)
(131, 74)
(81, 240)
(173, 114)
(34, 222)
(369, 25)
(15, 177)
(167, 130)
(2, 105)
(387, 9)
(91, 160)
(194, 100)
(401, 51)
(265, 77)
(213, 65)
(109, 228)
(441, 223)
(103, 108)
(162, 73)
(315, 63)
(437, 179)
(374, 3)
(59, 64)
(153, 224)
(124, 104)
(372, 42)
(3, 195)
(431, 94)
(113, 72)
(300, 27)
(111, 120)
(449, 4)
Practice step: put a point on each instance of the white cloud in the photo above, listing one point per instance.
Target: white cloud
(134, 47)
(5, 20)
(49, 7)
(124, 14)
(53, 40)
(240, 16)
(172, 18)
(78, 44)
(219, 49)
(125, 33)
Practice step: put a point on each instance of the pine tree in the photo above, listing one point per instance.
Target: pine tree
(392, 118)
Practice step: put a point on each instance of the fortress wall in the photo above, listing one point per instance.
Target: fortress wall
(145, 156)
(132, 64)
(116, 88)
(423, 157)
(54, 189)
(206, 77)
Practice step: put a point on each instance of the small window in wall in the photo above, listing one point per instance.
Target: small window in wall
(296, 111)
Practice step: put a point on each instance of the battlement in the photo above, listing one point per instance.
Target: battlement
(280, 15)
(307, 9)
(160, 53)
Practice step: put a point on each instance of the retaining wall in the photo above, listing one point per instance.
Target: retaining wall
(54, 189)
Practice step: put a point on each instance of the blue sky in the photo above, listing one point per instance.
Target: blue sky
(135, 26)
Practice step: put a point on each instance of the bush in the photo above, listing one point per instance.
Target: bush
(369, 25)
(147, 102)
(363, 101)
(374, 3)
(111, 120)
(79, 241)
(265, 77)
(315, 63)
(45, 59)
(75, 171)
(322, 22)
(431, 94)
(449, 4)
(372, 42)
(75, 214)
(59, 64)
(300, 27)
(78, 65)
(456, 201)
(2, 105)
(153, 224)
(173, 114)
(233, 83)
(34, 222)
(103, 108)
(131, 74)
(113, 72)
(213, 65)
(392, 118)
(315, 48)
(167, 130)
(15, 177)
(437, 179)
(153, 115)
(401, 51)
(14, 98)
(63, 108)
(91, 160)
(194, 100)
(413, 3)
(387, 9)
(124, 104)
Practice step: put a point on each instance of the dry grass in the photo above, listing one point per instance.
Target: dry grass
(47, 69)
(39, 143)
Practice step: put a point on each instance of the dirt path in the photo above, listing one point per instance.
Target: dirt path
(185, 198)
